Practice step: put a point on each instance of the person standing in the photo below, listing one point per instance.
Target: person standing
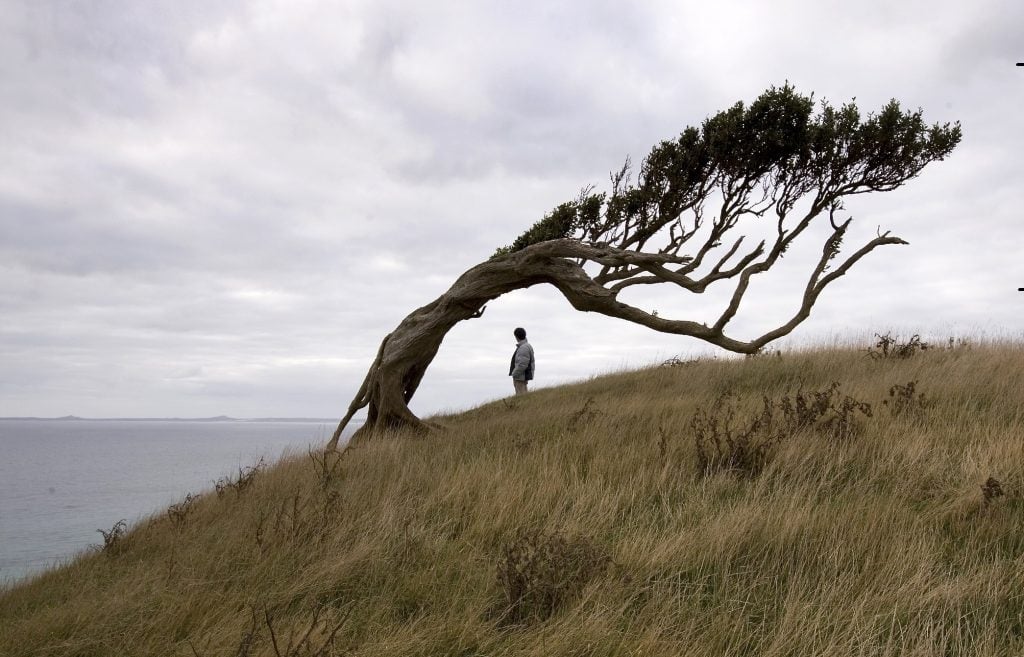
(522, 365)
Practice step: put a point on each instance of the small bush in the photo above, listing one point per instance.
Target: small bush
(113, 540)
(327, 467)
(314, 640)
(178, 513)
(662, 441)
(584, 415)
(239, 484)
(905, 401)
(991, 490)
(725, 444)
(539, 572)
(743, 446)
(824, 411)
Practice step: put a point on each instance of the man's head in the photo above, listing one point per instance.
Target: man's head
(520, 333)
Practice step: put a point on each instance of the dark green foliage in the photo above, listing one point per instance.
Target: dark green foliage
(563, 221)
(773, 133)
(777, 143)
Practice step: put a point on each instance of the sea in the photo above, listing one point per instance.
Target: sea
(63, 480)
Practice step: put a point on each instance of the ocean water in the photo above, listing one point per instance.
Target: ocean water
(62, 480)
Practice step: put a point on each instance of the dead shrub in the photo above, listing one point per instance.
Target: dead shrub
(991, 490)
(291, 520)
(662, 441)
(725, 443)
(314, 640)
(326, 466)
(297, 519)
(905, 401)
(301, 643)
(825, 412)
(239, 484)
(889, 346)
(178, 513)
(113, 540)
(540, 572)
(583, 416)
(260, 530)
(246, 643)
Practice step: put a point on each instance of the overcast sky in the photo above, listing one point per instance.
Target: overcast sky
(222, 207)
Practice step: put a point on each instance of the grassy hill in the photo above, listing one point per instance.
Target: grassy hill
(717, 507)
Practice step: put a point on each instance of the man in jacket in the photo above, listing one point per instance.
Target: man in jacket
(521, 367)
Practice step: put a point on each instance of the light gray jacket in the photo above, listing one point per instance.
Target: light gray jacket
(522, 365)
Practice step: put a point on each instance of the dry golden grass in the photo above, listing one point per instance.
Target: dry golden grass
(575, 521)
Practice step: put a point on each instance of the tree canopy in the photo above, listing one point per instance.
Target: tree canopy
(761, 157)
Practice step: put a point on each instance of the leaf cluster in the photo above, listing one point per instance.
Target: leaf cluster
(777, 144)
(566, 220)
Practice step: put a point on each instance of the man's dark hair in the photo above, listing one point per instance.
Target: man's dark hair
(520, 333)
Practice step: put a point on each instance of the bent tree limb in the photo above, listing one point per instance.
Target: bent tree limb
(774, 158)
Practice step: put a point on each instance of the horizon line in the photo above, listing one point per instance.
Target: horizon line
(213, 418)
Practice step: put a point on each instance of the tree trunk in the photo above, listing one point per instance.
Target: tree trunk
(406, 352)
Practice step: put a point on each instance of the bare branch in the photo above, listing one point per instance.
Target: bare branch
(811, 295)
(361, 400)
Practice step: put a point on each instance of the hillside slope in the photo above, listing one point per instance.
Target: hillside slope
(587, 520)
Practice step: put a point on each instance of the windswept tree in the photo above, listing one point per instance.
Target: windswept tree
(674, 222)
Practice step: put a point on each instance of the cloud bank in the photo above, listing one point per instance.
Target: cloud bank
(222, 207)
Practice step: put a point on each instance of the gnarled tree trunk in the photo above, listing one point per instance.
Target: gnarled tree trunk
(406, 352)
